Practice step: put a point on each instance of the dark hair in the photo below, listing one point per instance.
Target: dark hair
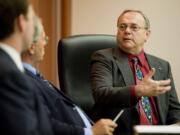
(146, 20)
(9, 11)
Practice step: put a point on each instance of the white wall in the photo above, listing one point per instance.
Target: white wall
(100, 16)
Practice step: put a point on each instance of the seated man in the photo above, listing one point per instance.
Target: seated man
(67, 118)
(126, 77)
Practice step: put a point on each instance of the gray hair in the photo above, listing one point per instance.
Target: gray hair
(146, 20)
(38, 28)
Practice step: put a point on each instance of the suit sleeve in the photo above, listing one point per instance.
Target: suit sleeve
(173, 115)
(61, 128)
(17, 114)
(104, 74)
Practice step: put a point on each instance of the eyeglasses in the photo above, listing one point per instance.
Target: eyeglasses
(132, 27)
(44, 39)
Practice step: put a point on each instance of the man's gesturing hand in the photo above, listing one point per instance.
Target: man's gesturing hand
(150, 87)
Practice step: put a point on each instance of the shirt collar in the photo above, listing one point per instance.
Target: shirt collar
(15, 56)
(140, 56)
(30, 68)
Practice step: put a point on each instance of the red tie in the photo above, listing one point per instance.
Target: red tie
(144, 105)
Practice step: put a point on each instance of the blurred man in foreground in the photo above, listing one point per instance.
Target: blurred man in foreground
(21, 111)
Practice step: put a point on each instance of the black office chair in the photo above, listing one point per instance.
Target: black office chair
(74, 54)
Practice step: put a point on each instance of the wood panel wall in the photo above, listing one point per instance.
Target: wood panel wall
(66, 18)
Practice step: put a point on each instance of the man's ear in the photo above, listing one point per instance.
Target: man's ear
(148, 33)
(21, 23)
(32, 49)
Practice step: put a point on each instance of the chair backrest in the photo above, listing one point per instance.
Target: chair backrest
(74, 56)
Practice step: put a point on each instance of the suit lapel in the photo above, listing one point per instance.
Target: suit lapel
(123, 64)
(153, 63)
(54, 90)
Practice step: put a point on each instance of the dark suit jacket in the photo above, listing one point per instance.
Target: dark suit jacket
(112, 80)
(66, 120)
(21, 111)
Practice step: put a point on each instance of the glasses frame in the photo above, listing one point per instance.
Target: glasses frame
(132, 27)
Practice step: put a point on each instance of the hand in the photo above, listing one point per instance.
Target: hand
(150, 87)
(104, 127)
(176, 124)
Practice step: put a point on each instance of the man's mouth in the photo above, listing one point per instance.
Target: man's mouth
(127, 39)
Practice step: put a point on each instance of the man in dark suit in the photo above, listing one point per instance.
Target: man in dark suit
(127, 78)
(67, 118)
(21, 111)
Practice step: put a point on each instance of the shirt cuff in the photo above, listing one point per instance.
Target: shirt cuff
(134, 99)
(88, 131)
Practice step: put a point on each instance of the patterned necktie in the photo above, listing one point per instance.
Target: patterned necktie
(40, 76)
(145, 103)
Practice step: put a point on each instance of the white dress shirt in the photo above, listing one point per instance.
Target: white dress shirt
(15, 56)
